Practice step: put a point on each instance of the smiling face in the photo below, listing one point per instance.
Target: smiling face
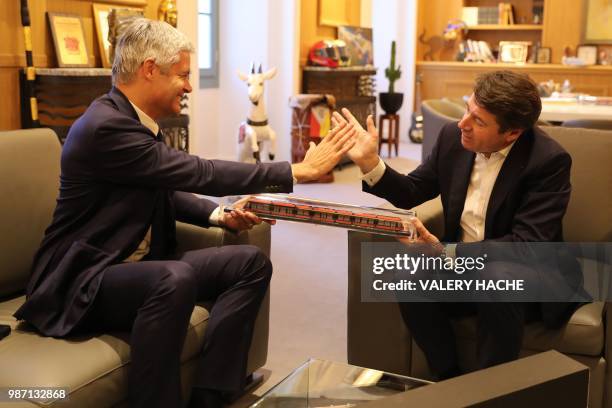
(480, 131)
(169, 86)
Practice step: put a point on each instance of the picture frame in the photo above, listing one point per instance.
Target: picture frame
(513, 51)
(543, 55)
(604, 54)
(596, 25)
(587, 53)
(358, 43)
(101, 12)
(69, 40)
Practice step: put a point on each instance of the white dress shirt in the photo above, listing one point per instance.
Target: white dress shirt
(482, 179)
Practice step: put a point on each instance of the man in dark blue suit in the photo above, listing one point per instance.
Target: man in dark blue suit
(107, 260)
(501, 180)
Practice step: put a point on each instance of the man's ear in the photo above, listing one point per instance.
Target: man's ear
(148, 68)
(512, 135)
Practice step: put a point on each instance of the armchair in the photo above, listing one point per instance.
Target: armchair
(378, 338)
(93, 368)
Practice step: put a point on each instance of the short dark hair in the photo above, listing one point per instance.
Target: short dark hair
(512, 97)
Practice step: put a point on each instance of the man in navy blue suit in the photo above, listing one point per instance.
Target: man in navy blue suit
(501, 179)
(107, 260)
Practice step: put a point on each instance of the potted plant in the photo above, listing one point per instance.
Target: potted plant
(391, 101)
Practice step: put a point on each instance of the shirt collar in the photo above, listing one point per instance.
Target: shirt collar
(500, 153)
(146, 120)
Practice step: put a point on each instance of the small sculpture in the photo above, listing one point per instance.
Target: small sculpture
(167, 11)
(256, 130)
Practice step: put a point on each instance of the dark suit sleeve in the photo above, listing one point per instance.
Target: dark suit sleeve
(540, 214)
(193, 210)
(408, 191)
(125, 153)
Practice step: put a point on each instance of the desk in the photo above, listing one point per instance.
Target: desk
(560, 111)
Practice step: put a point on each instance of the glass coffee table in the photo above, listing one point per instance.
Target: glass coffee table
(321, 383)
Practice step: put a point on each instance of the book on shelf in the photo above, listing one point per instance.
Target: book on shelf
(506, 14)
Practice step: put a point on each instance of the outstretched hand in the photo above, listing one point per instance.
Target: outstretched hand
(365, 151)
(321, 158)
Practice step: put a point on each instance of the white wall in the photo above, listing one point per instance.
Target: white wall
(396, 20)
(263, 31)
(267, 31)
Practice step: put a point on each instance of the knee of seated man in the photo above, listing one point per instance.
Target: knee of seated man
(180, 279)
(258, 263)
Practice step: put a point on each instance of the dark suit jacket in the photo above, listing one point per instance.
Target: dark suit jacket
(117, 180)
(527, 204)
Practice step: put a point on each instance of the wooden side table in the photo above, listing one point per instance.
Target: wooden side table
(392, 139)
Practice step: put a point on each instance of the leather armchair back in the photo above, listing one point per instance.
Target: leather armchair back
(29, 180)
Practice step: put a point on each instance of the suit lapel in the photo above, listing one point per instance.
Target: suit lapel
(458, 189)
(509, 176)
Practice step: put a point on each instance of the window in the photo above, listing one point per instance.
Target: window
(208, 43)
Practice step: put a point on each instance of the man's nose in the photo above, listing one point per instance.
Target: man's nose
(464, 122)
(187, 88)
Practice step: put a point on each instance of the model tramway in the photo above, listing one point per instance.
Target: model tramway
(370, 219)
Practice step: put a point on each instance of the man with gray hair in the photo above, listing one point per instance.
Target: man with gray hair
(107, 260)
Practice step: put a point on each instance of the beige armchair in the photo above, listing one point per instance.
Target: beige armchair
(377, 336)
(93, 368)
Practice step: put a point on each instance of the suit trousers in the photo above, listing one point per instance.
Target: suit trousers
(499, 333)
(154, 301)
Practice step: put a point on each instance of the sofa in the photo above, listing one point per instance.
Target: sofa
(94, 367)
(378, 338)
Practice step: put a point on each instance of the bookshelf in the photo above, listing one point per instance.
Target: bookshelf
(561, 26)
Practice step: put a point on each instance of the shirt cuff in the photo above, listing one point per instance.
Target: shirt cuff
(375, 174)
(215, 217)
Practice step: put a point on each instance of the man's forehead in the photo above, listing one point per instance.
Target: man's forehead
(476, 108)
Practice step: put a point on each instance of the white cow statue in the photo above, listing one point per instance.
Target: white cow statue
(255, 131)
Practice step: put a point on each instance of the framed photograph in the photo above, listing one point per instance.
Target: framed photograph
(604, 56)
(588, 54)
(358, 43)
(100, 14)
(596, 24)
(69, 40)
(513, 51)
(543, 55)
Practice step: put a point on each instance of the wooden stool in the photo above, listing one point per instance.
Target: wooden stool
(392, 132)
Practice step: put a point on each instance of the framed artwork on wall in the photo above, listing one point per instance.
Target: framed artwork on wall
(358, 43)
(100, 14)
(69, 40)
(596, 25)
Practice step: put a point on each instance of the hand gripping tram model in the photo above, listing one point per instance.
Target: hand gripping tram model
(371, 219)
